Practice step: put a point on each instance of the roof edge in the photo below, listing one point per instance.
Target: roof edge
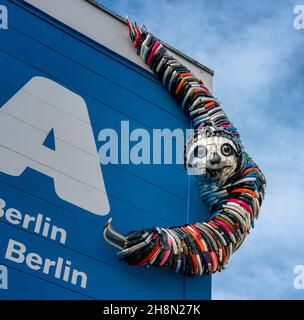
(121, 19)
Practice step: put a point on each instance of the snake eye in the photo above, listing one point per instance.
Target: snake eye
(227, 150)
(199, 152)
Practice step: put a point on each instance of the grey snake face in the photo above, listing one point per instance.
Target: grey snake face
(212, 155)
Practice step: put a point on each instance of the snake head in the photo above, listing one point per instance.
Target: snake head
(213, 154)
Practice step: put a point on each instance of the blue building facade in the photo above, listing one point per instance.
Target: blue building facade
(58, 89)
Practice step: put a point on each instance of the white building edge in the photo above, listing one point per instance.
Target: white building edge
(109, 29)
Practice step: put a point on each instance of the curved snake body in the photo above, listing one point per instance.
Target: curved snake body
(229, 181)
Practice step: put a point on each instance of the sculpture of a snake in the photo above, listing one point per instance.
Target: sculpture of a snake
(229, 181)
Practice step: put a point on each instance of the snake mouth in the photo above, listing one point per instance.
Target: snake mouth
(216, 172)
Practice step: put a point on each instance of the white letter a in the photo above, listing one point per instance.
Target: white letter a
(40, 107)
(3, 17)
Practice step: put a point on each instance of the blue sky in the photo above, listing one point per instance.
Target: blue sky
(258, 60)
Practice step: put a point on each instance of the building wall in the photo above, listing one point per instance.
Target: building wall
(109, 31)
(53, 77)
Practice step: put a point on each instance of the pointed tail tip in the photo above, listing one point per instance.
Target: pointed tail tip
(108, 223)
(128, 21)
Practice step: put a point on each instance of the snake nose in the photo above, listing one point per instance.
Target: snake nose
(215, 158)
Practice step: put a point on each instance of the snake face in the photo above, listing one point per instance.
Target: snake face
(211, 154)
